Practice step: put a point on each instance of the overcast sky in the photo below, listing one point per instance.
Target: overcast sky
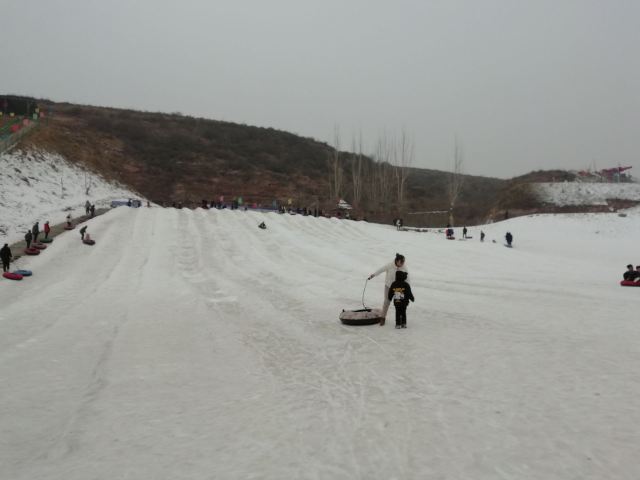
(524, 84)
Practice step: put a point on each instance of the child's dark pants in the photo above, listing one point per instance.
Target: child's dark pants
(401, 314)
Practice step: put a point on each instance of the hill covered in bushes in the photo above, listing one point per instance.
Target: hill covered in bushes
(172, 157)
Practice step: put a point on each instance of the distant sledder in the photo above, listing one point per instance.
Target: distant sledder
(631, 278)
(263, 226)
(85, 237)
(509, 238)
(69, 225)
(449, 232)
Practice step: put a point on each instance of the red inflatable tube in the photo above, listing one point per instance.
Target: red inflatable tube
(39, 246)
(89, 242)
(12, 276)
(31, 251)
(629, 283)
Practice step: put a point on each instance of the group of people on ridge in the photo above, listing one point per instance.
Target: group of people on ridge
(90, 209)
(33, 234)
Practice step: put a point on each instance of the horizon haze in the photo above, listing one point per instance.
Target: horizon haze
(523, 85)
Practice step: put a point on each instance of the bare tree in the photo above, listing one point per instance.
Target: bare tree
(403, 153)
(357, 170)
(335, 167)
(382, 175)
(456, 178)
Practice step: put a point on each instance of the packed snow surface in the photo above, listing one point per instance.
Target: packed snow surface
(192, 345)
(576, 193)
(38, 186)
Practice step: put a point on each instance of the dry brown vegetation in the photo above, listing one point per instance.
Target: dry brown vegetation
(170, 157)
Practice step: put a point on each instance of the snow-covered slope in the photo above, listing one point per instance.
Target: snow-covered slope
(41, 186)
(574, 193)
(191, 344)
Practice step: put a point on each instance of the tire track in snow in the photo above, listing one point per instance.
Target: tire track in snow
(290, 361)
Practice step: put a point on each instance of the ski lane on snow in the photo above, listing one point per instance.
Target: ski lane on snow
(195, 345)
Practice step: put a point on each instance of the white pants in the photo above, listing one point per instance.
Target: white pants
(385, 305)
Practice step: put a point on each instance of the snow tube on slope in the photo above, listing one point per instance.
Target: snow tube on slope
(39, 245)
(629, 283)
(451, 238)
(89, 242)
(69, 227)
(46, 240)
(31, 251)
(12, 276)
(24, 273)
(365, 316)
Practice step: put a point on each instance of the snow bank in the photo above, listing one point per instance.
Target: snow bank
(41, 186)
(576, 194)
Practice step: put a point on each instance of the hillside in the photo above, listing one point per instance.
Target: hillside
(174, 158)
(38, 186)
(170, 157)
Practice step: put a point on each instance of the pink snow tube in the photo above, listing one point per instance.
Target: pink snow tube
(629, 283)
(12, 276)
(31, 251)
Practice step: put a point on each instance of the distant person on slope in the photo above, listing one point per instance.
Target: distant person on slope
(92, 210)
(464, 232)
(69, 220)
(631, 275)
(87, 207)
(481, 236)
(263, 226)
(47, 230)
(390, 275)
(27, 238)
(509, 238)
(6, 256)
(449, 231)
(82, 232)
(35, 231)
(400, 293)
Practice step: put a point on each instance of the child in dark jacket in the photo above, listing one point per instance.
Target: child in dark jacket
(400, 294)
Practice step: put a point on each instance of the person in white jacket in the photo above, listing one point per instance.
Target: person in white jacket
(390, 276)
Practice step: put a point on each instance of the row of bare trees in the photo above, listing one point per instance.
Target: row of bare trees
(378, 182)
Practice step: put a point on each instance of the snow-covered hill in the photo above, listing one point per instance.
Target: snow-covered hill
(191, 344)
(577, 194)
(41, 186)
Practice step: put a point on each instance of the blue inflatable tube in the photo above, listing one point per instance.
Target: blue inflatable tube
(24, 273)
